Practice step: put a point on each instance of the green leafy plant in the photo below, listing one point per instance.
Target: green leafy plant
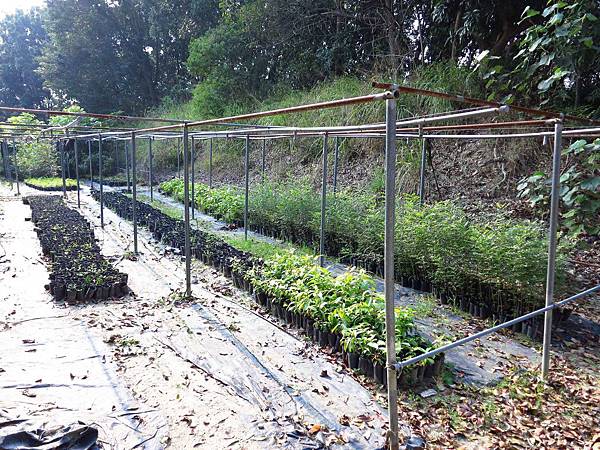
(579, 189)
(51, 182)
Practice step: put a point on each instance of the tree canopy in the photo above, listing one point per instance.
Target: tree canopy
(22, 37)
(132, 55)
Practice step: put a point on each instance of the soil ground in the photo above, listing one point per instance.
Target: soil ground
(207, 374)
(153, 371)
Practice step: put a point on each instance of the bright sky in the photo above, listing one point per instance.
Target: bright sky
(10, 6)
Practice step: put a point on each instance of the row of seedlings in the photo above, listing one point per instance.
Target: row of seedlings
(78, 271)
(51, 184)
(490, 269)
(344, 314)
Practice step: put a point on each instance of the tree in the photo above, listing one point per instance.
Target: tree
(35, 157)
(558, 62)
(22, 37)
(125, 55)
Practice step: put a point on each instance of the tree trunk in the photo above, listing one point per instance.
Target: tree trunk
(457, 22)
(393, 42)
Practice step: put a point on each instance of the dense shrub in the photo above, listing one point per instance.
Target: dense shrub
(37, 159)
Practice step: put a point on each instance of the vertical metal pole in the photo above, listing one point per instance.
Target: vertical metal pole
(178, 164)
(264, 151)
(246, 184)
(3, 149)
(77, 172)
(16, 165)
(90, 159)
(150, 162)
(127, 166)
(210, 161)
(5, 161)
(323, 203)
(100, 180)
(389, 288)
(134, 193)
(552, 238)
(335, 164)
(186, 215)
(193, 157)
(62, 168)
(423, 165)
(68, 163)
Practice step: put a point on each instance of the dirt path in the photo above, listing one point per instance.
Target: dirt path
(214, 374)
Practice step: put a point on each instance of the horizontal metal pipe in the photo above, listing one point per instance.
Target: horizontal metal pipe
(368, 128)
(82, 114)
(481, 102)
(275, 112)
(493, 329)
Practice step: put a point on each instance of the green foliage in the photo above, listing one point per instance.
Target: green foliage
(435, 242)
(122, 56)
(346, 304)
(50, 182)
(35, 158)
(579, 189)
(58, 121)
(22, 37)
(558, 58)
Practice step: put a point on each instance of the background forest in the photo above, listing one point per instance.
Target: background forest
(133, 55)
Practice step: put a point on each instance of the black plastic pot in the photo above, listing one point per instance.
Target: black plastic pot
(365, 365)
(352, 360)
(323, 338)
(378, 372)
(332, 339)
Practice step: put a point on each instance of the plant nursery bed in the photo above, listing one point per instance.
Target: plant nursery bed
(344, 314)
(79, 273)
(51, 184)
(491, 270)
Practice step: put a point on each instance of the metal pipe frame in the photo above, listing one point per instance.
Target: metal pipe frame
(77, 171)
(210, 163)
(90, 161)
(134, 192)
(62, 168)
(193, 157)
(336, 155)
(100, 180)
(4, 159)
(246, 185)
(552, 242)
(388, 279)
(14, 146)
(423, 167)
(150, 163)
(50, 112)
(263, 158)
(275, 112)
(127, 165)
(495, 328)
(186, 214)
(481, 102)
(323, 202)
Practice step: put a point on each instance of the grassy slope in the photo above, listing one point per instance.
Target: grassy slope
(476, 171)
